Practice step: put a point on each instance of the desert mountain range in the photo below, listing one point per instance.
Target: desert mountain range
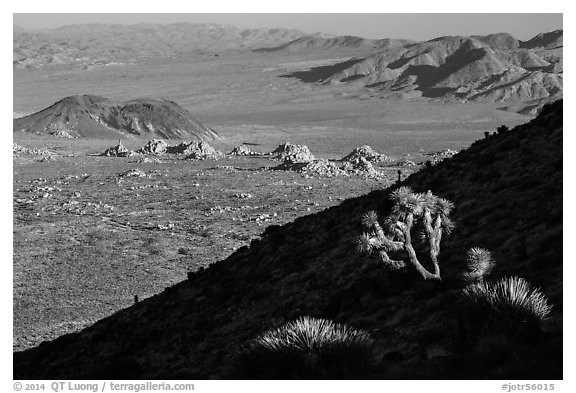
(99, 117)
(321, 41)
(507, 192)
(494, 68)
(522, 76)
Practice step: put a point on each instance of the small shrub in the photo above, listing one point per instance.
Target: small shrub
(307, 348)
(480, 263)
(502, 129)
(509, 305)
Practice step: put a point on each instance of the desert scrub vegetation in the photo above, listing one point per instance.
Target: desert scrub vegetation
(509, 306)
(416, 219)
(480, 263)
(307, 348)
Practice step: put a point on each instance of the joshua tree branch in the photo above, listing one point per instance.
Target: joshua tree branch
(391, 263)
(379, 230)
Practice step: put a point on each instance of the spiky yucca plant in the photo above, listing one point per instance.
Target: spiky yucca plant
(413, 213)
(479, 262)
(308, 348)
(504, 306)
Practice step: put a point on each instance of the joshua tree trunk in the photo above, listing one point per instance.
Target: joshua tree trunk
(412, 257)
(434, 236)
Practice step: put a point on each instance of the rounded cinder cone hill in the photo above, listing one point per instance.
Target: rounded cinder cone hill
(91, 116)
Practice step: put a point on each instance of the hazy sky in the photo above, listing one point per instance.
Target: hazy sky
(412, 26)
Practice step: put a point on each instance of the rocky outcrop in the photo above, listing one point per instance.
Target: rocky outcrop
(292, 154)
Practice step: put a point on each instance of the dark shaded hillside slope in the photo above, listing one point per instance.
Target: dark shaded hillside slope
(508, 196)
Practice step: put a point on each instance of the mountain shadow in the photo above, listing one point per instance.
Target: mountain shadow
(428, 76)
(318, 74)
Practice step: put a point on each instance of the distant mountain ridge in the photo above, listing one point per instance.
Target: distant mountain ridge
(492, 68)
(99, 117)
(323, 42)
(86, 43)
(550, 40)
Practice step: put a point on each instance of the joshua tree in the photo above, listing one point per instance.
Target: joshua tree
(480, 263)
(423, 214)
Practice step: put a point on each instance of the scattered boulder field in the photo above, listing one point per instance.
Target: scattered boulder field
(193, 150)
(362, 161)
